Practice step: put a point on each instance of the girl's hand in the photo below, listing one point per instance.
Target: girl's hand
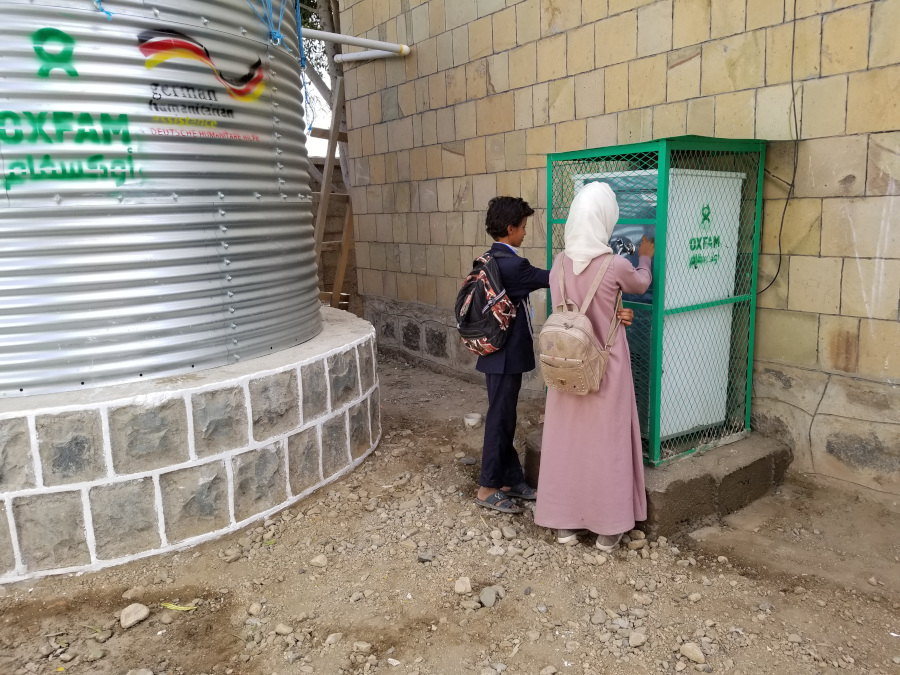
(626, 316)
(647, 247)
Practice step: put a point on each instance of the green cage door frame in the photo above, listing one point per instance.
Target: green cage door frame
(664, 150)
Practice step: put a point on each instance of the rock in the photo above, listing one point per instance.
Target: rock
(103, 636)
(68, 656)
(692, 651)
(496, 550)
(634, 535)
(232, 555)
(425, 556)
(599, 618)
(873, 581)
(133, 593)
(470, 604)
(637, 544)
(393, 663)
(362, 647)
(488, 596)
(94, 654)
(166, 618)
(254, 609)
(463, 586)
(533, 636)
(636, 639)
(140, 671)
(793, 638)
(334, 638)
(319, 561)
(681, 665)
(509, 532)
(282, 629)
(549, 670)
(722, 559)
(133, 614)
(694, 597)
(643, 599)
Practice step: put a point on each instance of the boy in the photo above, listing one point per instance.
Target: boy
(501, 472)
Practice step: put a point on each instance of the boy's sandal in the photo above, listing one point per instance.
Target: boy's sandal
(499, 501)
(523, 491)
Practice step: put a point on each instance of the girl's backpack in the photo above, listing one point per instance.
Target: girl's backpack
(572, 360)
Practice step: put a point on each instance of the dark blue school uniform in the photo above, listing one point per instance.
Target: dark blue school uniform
(503, 370)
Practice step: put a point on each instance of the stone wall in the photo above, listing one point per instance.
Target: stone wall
(493, 86)
(96, 478)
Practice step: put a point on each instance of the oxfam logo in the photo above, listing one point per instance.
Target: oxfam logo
(705, 213)
(54, 50)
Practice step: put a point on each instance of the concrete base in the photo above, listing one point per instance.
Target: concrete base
(101, 477)
(686, 491)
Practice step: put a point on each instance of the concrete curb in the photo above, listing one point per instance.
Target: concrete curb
(709, 484)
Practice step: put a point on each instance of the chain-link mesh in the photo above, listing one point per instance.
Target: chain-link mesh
(691, 343)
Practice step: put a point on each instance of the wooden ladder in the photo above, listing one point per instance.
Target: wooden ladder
(335, 298)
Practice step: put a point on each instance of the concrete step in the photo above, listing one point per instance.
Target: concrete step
(687, 491)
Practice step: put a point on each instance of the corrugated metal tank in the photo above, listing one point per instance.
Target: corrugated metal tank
(155, 215)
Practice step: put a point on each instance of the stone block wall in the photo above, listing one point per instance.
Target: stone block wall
(88, 481)
(493, 86)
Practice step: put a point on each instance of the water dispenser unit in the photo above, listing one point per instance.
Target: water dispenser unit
(692, 337)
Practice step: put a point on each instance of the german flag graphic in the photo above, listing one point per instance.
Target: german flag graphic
(161, 45)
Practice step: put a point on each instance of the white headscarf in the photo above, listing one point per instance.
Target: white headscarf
(592, 217)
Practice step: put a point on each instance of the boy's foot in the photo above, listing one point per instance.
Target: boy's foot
(522, 491)
(608, 542)
(568, 536)
(499, 501)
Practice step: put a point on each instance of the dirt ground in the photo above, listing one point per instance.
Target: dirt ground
(362, 577)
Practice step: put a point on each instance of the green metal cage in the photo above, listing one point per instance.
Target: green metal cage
(692, 337)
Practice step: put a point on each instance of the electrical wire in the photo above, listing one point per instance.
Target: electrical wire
(790, 192)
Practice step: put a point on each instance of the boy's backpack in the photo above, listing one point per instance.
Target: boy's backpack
(484, 312)
(571, 358)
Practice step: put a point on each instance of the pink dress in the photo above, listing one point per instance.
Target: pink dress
(592, 472)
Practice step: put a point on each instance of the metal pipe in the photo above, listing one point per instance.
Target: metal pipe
(392, 47)
(366, 55)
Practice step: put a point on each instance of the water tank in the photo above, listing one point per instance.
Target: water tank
(155, 213)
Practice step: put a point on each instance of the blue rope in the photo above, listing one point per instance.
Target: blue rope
(99, 4)
(275, 34)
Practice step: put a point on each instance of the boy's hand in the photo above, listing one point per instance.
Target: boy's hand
(626, 316)
(647, 247)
